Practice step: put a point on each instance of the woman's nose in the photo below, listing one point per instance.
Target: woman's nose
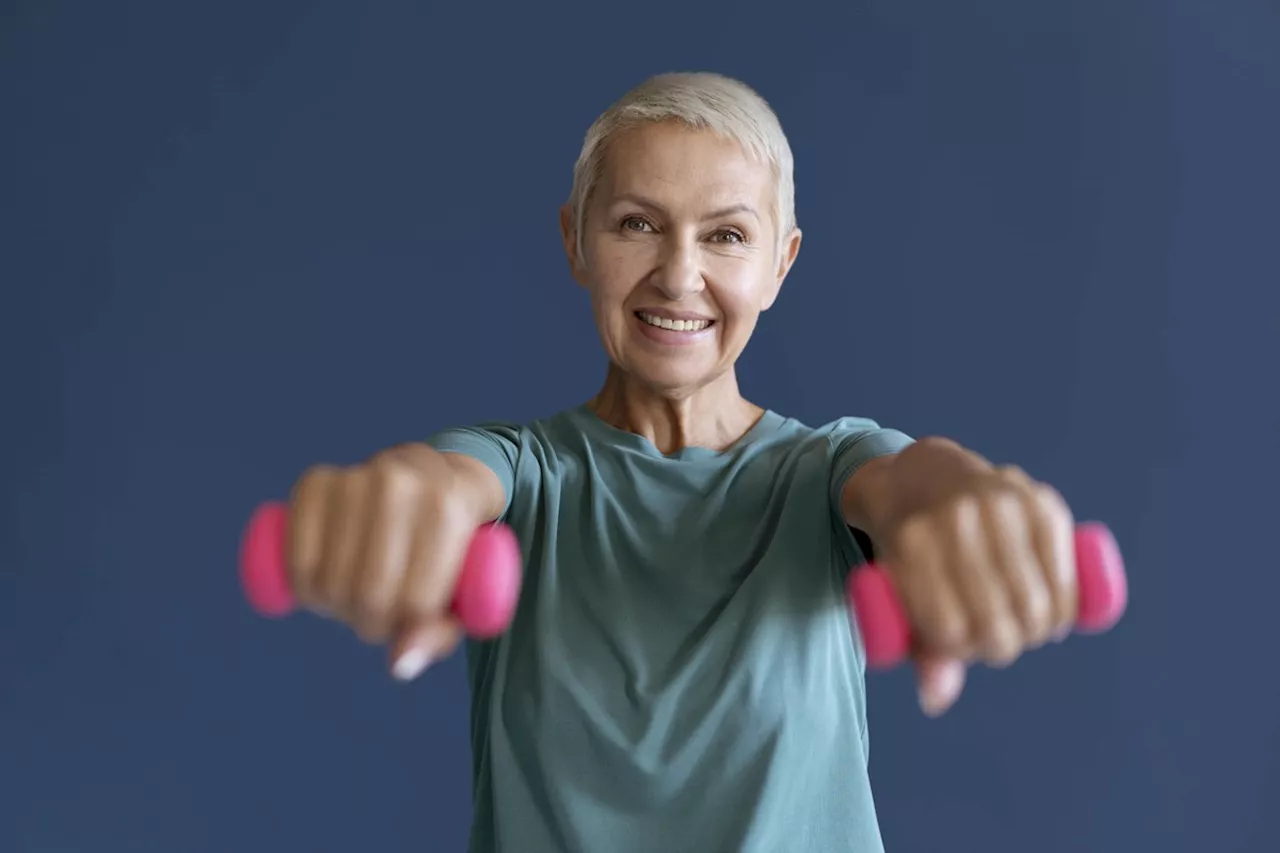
(680, 275)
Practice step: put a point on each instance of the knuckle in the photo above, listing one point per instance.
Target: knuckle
(330, 591)
(374, 595)
(443, 509)
(1036, 609)
(1051, 502)
(335, 587)
(1003, 655)
(990, 633)
(1063, 610)
(964, 513)
(308, 496)
(916, 529)
(317, 476)
(304, 565)
(1006, 505)
(370, 618)
(996, 624)
(362, 595)
(1012, 473)
(1060, 626)
(950, 631)
(1001, 642)
(395, 481)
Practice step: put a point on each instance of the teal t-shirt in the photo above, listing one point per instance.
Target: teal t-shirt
(682, 673)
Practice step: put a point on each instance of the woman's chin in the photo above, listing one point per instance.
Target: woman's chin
(671, 379)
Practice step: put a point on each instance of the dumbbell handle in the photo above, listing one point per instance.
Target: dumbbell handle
(1102, 595)
(484, 599)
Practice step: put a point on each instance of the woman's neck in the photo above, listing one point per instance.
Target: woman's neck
(714, 416)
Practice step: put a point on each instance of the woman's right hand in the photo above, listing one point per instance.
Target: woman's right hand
(379, 546)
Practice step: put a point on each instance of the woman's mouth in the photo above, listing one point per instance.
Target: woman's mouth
(679, 331)
(673, 325)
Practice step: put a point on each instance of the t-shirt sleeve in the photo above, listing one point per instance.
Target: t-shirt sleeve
(495, 445)
(853, 443)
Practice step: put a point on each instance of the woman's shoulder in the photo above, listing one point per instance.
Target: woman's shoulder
(836, 429)
(515, 433)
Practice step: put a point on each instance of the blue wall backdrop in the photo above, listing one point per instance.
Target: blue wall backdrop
(240, 238)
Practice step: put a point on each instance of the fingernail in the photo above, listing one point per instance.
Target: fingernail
(410, 664)
(940, 692)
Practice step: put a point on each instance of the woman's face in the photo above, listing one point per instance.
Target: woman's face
(679, 253)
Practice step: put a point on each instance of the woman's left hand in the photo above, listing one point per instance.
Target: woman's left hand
(983, 559)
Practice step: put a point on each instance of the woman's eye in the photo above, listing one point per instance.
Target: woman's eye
(635, 223)
(729, 235)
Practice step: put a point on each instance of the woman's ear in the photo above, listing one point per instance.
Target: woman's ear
(787, 252)
(569, 237)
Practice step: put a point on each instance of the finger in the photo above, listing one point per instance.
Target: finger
(344, 538)
(1053, 537)
(387, 545)
(1007, 519)
(420, 644)
(993, 628)
(441, 537)
(308, 512)
(934, 607)
(939, 682)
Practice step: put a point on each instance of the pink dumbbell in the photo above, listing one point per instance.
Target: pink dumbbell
(489, 586)
(1103, 593)
(484, 600)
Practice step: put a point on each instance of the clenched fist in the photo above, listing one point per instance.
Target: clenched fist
(379, 546)
(983, 558)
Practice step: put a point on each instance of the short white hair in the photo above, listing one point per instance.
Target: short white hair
(704, 101)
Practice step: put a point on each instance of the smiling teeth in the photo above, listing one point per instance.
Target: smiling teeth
(675, 325)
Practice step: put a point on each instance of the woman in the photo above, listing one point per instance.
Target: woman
(681, 673)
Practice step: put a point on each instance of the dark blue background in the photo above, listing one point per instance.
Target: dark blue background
(240, 238)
